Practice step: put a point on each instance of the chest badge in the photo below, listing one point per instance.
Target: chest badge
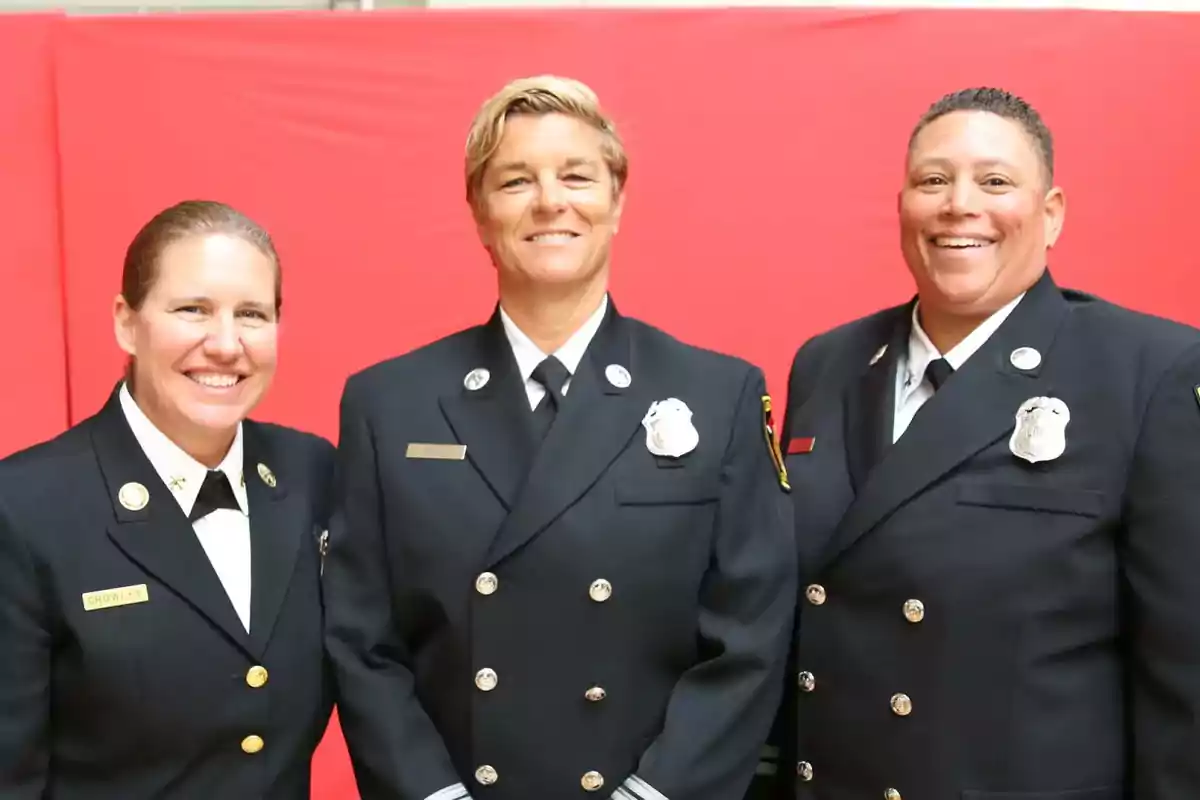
(1041, 429)
(669, 428)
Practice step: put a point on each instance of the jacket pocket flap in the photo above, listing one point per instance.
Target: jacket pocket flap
(1084, 502)
(680, 489)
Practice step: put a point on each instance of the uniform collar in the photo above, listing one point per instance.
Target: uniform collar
(921, 350)
(529, 355)
(181, 473)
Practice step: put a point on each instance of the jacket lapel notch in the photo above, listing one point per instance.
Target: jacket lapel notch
(157, 536)
(974, 409)
(869, 404)
(275, 535)
(595, 424)
(494, 421)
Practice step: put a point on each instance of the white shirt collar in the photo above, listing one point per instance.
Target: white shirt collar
(921, 350)
(181, 473)
(529, 355)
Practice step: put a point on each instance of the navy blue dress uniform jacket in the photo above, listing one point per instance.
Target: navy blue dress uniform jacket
(160, 698)
(591, 620)
(974, 626)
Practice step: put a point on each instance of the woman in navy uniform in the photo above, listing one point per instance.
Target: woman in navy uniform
(160, 604)
(561, 564)
(1001, 517)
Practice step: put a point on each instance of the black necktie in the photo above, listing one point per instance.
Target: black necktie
(215, 493)
(938, 372)
(552, 375)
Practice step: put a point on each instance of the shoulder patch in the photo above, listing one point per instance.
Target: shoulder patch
(773, 442)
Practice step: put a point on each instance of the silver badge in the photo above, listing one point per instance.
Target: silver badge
(669, 428)
(1025, 358)
(1041, 429)
(476, 379)
(618, 376)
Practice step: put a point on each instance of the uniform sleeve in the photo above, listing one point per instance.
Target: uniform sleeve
(1160, 561)
(722, 708)
(396, 751)
(322, 494)
(775, 778)
(25, 671)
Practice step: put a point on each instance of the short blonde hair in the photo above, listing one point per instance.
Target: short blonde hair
(541, 94)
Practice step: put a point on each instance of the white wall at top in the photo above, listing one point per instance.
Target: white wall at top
(1124, 5)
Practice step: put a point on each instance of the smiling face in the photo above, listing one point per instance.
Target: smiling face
(203, 339)
(976, 213)
(548, 205)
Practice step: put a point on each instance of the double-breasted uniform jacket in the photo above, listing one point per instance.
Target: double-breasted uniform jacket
(125, 671)
(581, 619)
(975, 625)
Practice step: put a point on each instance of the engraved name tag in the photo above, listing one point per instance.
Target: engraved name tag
(111, 598)
(443, 452)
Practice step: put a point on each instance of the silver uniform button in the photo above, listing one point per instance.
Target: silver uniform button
(891, 794)
(486, 679)
(1025, 358)
(486, 583)
(600, 590)
(476, 379)
(807, 681)
(595, 694)
(902, 704)
(815, 594)
(805, 771)
(487, 775)
(914, 610)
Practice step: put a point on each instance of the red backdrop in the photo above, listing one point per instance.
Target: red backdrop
(766, 153)
(35, 402)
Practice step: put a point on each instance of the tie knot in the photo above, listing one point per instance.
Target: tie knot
(552, 375)
(215, 493)
(938, 371)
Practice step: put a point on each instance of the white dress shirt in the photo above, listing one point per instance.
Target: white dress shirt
(529, 355)
(912, 388)
(225, 533)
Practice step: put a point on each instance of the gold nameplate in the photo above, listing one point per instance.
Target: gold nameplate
(111, 598)
(442, 452)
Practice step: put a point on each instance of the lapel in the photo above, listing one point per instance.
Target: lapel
(976, 407)
(869, 404)
(158, 536)
(494, 421)
(277, 528)
(594, 425)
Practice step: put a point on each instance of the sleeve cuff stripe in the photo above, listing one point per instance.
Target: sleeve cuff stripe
(455, 792)
(641, 790)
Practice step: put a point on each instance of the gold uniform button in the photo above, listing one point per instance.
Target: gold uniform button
(487, 775)
(487, 583)
(891, 794)
(902, 705)
(591, 781)
(595, 694)
(256, 677)
(804, 770)
(815, 594)
(486, 679)
(914, 610)
(252, 744)
(807, 681)
(600, 590)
